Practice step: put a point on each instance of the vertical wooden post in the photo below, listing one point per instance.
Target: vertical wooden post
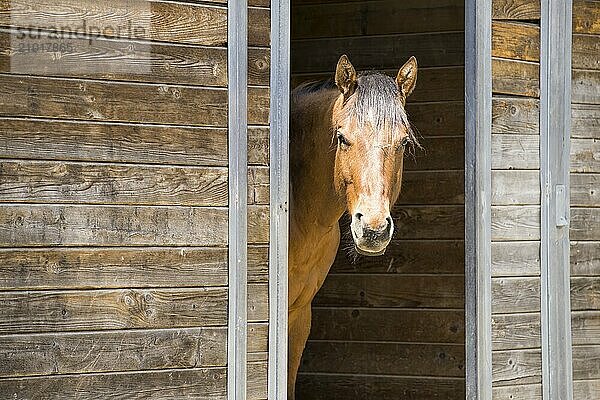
(279, 183)
(478, 126)
(237, 67)
(555, 121)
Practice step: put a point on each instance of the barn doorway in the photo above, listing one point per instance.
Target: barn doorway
(392, 326)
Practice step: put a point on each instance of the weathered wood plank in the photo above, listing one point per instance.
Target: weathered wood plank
(41, 225)
(347, 324)
(585, 326)
(516, 116)
(521, 41)
(258, 263)
(585, 51)
(585, 258)
(80, 268)
(518, 392)
(585, 189)
(54, 140)
(432, 187)
(158, 21)
(66, 268)
(515, 187)
(515, 152)
(379, 52)
(414, 222)
(65, 182)
(391, 291)
(585, 120)
(257, 381)
(251, 3)
(258, 342)
(259, 3)
(129, 61)
(258, 302)
(83, 352)
(586, 362)
(584, 86)
(585, 293)
(258, 186)
(384, 358)
(585, 224)
(405, 257)
(344, 386)
(513, 77)
(258, 225)
(437, 119)
(586, 390)
(205, 383)
(585, 155)
(586, 17)
(73, 310)
(510, 223)
(515, 295)
(516, 9)
(112, 309)
(436, 84)
(516, 367)
(143, 103)
(516, 331)
(515, 259)
(516, 40)
(438, 153)
(376, 18)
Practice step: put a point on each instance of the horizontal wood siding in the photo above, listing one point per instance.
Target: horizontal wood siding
(516, 329)
(585, 200)
(393, 325)
(114, 196)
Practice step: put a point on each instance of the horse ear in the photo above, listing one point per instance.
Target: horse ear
(407, 77)
(345, 76)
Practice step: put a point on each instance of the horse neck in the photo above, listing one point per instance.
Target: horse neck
(315, 200)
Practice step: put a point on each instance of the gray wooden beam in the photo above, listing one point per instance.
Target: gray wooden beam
(279, 199)
(237, 67)
(555, 114)
(478, 125)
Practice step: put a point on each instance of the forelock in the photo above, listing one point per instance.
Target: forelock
(377, 102)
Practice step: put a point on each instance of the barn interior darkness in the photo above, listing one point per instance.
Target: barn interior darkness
(392, 327)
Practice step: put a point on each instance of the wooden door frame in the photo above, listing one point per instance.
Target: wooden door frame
(279, 198)
(555, 137)
(478, 131)
(237, 126)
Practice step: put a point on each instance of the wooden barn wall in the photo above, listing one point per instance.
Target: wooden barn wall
(585, 200)
(392, 327)
(516, 329)
(516, 199)
(113, 202)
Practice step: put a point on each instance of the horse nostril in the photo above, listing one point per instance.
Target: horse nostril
(358, 216)
(389, 223)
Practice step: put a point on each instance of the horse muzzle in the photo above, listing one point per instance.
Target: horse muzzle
(371, 239)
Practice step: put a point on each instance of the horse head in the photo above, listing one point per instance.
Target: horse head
(372, 132)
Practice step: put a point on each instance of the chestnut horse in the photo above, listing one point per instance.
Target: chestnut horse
(347, 146)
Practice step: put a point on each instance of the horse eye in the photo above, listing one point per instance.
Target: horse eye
(405, 141)
(342, 141)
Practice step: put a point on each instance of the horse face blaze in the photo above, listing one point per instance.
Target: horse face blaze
(370, 171)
